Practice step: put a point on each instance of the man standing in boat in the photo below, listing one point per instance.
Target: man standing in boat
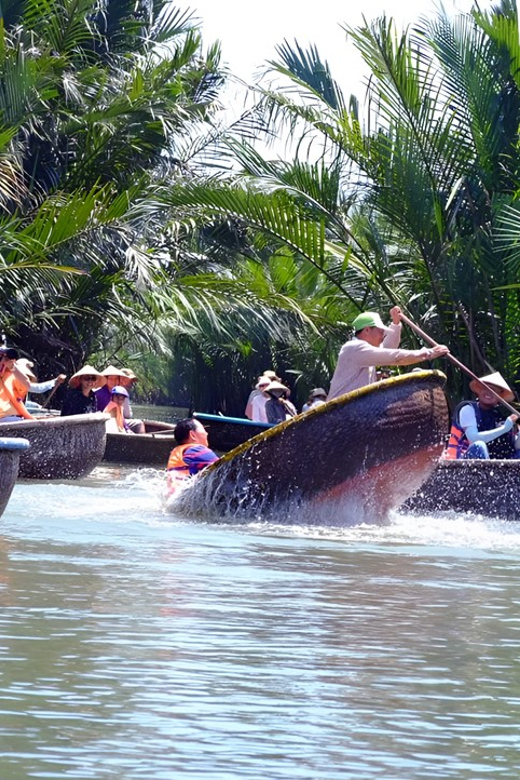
(479, 431)
(375, 344)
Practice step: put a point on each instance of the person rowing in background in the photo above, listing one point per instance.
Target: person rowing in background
(278, 408)
(479, 430)
(190, 456)
(375, 344)
(26, 367)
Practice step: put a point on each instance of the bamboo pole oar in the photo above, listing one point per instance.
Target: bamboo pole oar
(455, 361)
(46, 403)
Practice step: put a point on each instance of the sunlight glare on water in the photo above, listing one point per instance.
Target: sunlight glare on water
(137, 644)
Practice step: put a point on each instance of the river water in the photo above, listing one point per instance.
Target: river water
(136, 644)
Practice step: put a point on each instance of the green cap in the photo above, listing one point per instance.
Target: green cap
(368, 319)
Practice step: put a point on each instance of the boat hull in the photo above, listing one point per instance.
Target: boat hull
(10, 451)
(61, 447)
(486, 487)
(151, 448)
(357, 456)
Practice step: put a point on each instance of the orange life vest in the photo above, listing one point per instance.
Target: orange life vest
(120, 420)
(501, 447)
(178, 471)
(9, 392)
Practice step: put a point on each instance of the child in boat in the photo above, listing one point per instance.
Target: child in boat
(190, 456)
(119, 377)
(117, 422)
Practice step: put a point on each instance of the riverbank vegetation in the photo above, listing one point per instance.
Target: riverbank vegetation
(134, 225)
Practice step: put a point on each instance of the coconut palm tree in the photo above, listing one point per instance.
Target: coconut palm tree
(403, 202)
(93, 97)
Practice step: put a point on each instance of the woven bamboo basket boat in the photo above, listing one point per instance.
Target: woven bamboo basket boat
(353, 458)
(10, 451)
(483, 487)
(61, 447)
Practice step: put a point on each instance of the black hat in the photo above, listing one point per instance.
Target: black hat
(9, 352)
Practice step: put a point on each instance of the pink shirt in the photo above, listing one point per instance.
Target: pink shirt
(358, 359)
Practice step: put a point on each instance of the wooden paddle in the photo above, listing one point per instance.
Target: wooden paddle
(454, 360)
(56, 385)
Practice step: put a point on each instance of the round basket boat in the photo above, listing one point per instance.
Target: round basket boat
(483, 487)
(61, 447)
(360, 455)
(10, 451)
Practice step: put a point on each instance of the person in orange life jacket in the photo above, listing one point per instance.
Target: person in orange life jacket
(13, 386)
(191, 455)
(478, 429)
(115, 408)
(278, 408)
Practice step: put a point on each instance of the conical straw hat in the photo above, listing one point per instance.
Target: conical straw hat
(75, 379)
(497, 383)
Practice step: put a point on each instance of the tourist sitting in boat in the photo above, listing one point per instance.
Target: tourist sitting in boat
(117, 377)
(117, 422)
(375, 344)
(479, 431)
(316, 397)
(80, 398)
(26, 367)
(135, 425)
(271, 375)
(13, 387)
(191, 454)
(258, 413)
(278, 408)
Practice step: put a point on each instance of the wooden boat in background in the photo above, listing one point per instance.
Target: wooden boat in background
(351, 459)
(486, 487)
(10, 451)
(152, 447)
(226, 433)
(61, 447)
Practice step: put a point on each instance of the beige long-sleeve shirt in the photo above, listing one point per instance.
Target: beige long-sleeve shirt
(358, 359)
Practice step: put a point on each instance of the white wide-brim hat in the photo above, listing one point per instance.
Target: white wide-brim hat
(25, 365)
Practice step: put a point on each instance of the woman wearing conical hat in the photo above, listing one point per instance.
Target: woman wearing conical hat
(80, 398)
(479, 430)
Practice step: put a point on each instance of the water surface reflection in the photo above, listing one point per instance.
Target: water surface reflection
(138, 645)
